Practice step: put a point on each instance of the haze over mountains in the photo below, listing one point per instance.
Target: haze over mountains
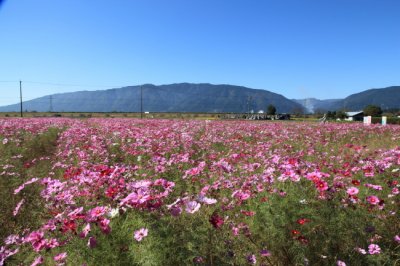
(204, 97)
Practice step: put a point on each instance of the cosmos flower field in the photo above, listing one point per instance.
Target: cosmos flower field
(181, 192)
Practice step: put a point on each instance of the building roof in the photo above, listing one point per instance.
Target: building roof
(350, 114)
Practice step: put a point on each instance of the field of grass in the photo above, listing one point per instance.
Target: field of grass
(128, 191)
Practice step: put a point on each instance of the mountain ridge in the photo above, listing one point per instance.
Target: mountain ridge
(201, 97)
(177, 97)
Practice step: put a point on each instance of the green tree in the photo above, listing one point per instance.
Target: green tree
(372, 110)
(341, 114)
(271, 110)
(331, 114)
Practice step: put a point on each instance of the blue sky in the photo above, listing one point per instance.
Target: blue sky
(297, 48)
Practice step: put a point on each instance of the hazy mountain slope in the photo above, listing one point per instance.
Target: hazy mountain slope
(312, 105)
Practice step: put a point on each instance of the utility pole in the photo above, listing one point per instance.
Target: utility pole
(20, 95)
(141, 102)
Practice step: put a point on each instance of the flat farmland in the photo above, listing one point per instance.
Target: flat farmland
(127, 191)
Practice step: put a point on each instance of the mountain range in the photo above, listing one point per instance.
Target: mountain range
(204, 97)
(181, 97)
(385, 98)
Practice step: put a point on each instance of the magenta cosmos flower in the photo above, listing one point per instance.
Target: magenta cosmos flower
(140, 234)
(321, 185)
(373, 200)
(374, 249)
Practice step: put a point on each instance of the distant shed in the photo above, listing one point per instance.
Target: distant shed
(355, 116)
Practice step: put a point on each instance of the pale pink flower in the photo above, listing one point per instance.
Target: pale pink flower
(361, 251)
(21, 187)
(206, 200)
(60, 257)
(16, 210)
(192, 206)
(352, 191)
(397, 238)
(340, 263)
(374, 249)
(140, 234)
(12, 239)
(376, 187)
(38, 260)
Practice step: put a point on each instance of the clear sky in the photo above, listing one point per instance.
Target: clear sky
(297, 48)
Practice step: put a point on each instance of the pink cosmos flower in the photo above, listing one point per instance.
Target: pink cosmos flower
(321, 185)
(38, 260)
(376, 187)
(140, 234)
(104, 226)
(361, 251)
(241, 195)
(139, 197)
(75, 212)
(85, 231)
(252, 259)
(60, 257)
(12, 239)
(340, 263)
(35, 236)
(175, 210)
(352, 191)
(397, 238)
(16, 210)
(21, 187)
(92, 242)
(96, 212)
(50, 243)
(235, 230)
(373, 200)
(265, 253)
(192, 206)
(374, 249)
(206, 200)
(216, 220)
(5, 253)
